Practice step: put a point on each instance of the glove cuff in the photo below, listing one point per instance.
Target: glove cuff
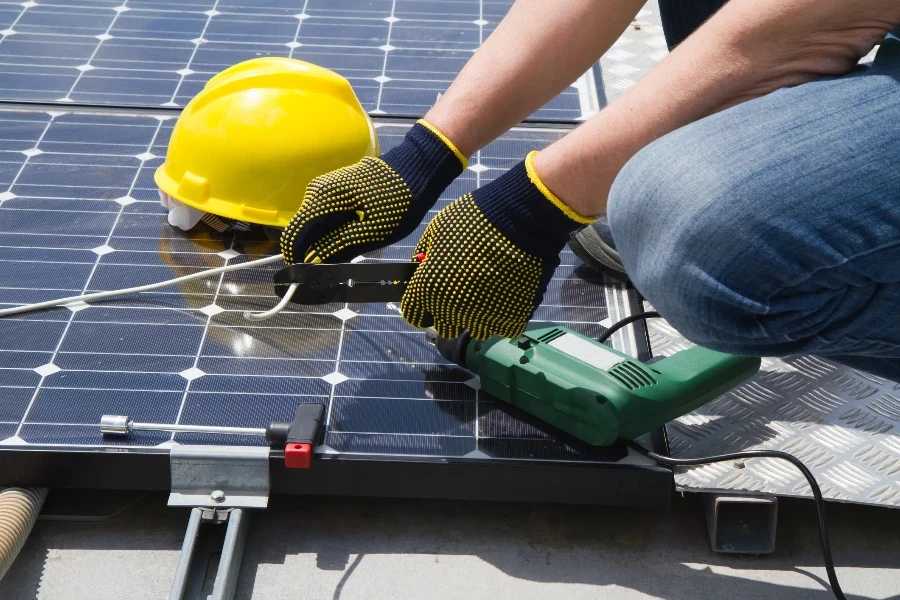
(527, 213)
(427, 161)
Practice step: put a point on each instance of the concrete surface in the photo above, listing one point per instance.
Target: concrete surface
(348, 549)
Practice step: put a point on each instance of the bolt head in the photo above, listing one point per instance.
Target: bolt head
(217, 496)
(739, 464)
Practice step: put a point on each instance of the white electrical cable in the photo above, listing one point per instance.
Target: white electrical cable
(278, 307)
(146, 288)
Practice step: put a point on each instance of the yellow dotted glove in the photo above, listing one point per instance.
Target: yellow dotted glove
(374, 203)
(489, 257)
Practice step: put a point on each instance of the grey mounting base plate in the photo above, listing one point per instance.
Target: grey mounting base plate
(843, 424)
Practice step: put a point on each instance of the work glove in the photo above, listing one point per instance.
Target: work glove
(374, 203)
(488, 257)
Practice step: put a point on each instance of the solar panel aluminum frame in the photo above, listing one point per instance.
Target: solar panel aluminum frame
(54, 461)
(610, 484)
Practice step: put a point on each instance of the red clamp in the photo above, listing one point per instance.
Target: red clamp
(298, 456)
(299, 436)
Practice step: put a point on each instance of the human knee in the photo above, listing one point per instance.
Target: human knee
(769, 227)
(680, 222)
(674, 206)
(711, 243)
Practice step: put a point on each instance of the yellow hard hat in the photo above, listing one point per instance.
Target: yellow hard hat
(248, 144)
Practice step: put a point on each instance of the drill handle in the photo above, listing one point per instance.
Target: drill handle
(685, 382)
(699, 368)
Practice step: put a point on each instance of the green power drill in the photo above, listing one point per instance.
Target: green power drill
(575, 383)
(589, 390)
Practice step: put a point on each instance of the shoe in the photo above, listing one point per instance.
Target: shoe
(595, 247)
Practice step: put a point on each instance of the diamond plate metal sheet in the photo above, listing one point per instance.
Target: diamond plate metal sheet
(638, 50)
(843, 424)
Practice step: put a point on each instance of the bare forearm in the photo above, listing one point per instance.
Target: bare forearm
(749, 49)
(537, 51)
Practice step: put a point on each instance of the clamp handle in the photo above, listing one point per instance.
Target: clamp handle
(322, 283)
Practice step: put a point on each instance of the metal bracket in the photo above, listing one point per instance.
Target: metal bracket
(219, 476)
(741, 524)
(190, 569)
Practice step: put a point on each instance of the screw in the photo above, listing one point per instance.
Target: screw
(739, 464)
(218, 496)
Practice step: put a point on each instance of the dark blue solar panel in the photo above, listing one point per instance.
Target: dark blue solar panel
(83, 215)
(398, 55)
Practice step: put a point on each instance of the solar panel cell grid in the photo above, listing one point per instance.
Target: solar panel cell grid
(399, 55)
(82, 214)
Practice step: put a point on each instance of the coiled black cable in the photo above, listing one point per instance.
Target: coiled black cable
(817, 493)
(688, 462)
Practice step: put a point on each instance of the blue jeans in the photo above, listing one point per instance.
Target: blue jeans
(773, 227)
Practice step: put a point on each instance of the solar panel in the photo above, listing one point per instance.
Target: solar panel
(82, 215)
(399, 55)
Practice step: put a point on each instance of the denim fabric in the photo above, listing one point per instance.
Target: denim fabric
(773, 228)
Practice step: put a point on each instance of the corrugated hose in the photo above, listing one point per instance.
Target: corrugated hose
(19, 508)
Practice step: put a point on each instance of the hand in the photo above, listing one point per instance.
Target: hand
(374, 203)
(489, 257)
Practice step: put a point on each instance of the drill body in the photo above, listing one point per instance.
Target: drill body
(589, 390)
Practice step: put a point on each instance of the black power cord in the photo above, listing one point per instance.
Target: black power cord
(817, 493)
(626, 321)
(688, 462)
